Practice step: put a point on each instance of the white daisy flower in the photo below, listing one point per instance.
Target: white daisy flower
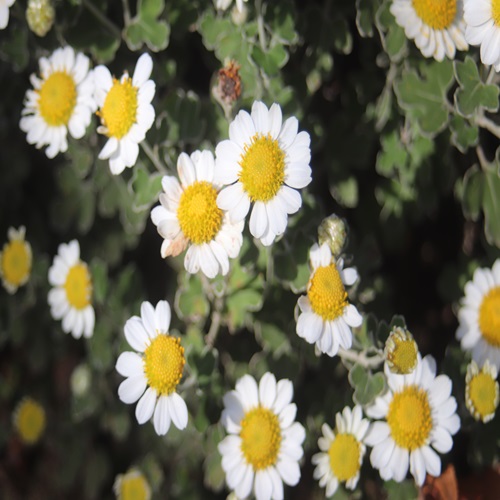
(224, 4)
(189, 214)
(264, 443)
(342, 451)
(419, 418)
(4, 12)
(437, 27)
(479, 316)
(126, 112)
(482, 18)
(155, 370)
(482, 391)
(264, 162)
(132, 485)
(71, 297)
(15, 260)
(326, 316)
(61, 101)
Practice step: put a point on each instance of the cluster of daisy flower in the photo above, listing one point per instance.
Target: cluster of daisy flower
(258, 172)
(66, 94)
(439, 28)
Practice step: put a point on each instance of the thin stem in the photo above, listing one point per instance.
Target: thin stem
(126, 12)
(361, 358)
(489, 125)
(482, 158)
(102, 18)
(153, 156)
(491, 75)
(211, 336)
(260, 25)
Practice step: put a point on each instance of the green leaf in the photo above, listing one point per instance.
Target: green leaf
(393, 36)
(345, 192)
(185, 120)
(366, 386)
(392, 156)
(145, 187)
(365, 16)
(406, 490)
(423, 95)
(491, 204)
(463, 135)
(100, 353)
(342, 38)
(473, 95)
(15, 48)
(99, 271)
(190, 301)
(473, 192)
(272, 60)
(145, 28)
(273, 339)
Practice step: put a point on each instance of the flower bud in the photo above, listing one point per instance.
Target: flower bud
(333, 232)
(401, 351)
(40, 15)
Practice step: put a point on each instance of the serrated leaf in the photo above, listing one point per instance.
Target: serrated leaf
(365, 17)
(99, 271)
(473, 191)
(272, 60)
(145, 187)
(273, 339)
(491, 204)
(393, 36)
(424, 95)
(463, 135)
(366, 386)
(190, 301)
(392, 156)
(473, 95)
(145, 28)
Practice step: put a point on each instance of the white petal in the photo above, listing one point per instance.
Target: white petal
(132, 388)
(178, 410)
(162, 316)
(161, 418)
(267, 390)
(129, 364)
(148, 319)
(136, 334)
(146, 405)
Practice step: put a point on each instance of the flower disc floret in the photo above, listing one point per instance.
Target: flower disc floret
(409, 418)
(438, 14)
(57, 98)
(489, 317)
(29, 420)
(344, 454)
(326, 293)
(262, 168)
(132, 486)
(119, 111)
(78, 286)
(199, 216)
(164, 363)
(15, 260)
(260, 438)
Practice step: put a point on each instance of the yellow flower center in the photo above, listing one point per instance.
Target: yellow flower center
(16, 262)
(344, 456)
(409, 418)
(495, 11)
(489, 317)
(260, 438)
(262, 168)
(163, 363)
(119, 111)
(134, 487)
(57, 98)
(401, 352)
(30, 420)
(437, 14)
(78, 286)
(326, 293)
(199, 216)
(482, 392)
